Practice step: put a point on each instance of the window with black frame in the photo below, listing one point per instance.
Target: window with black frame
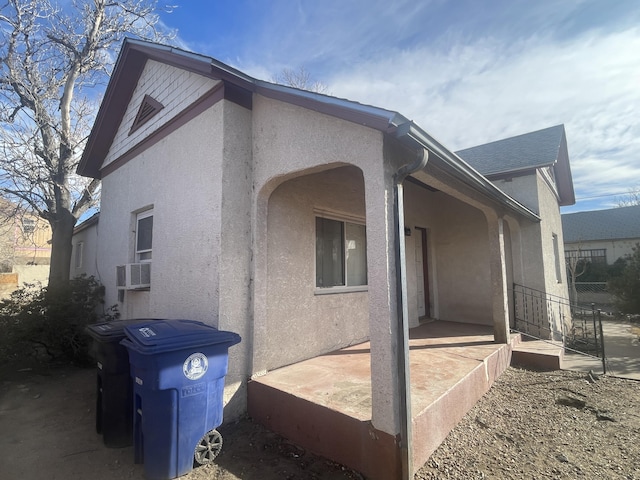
(341, 254)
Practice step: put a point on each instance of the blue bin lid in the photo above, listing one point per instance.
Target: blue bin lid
(158, 336)
(114, 329)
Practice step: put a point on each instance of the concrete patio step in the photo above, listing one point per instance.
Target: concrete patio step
(537, 355)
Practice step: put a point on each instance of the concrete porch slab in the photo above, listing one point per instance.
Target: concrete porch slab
(324, 404)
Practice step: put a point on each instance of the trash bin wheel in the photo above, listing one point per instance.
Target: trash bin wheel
(208, 448)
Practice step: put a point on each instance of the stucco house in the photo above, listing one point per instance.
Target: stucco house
(308, 223)
(84, 244)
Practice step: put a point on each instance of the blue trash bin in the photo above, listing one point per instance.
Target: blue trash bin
(178, 369)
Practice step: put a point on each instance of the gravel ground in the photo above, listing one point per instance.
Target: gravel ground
(546, 425)
(530, 425)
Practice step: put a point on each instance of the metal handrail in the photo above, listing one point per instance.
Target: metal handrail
(538, 314)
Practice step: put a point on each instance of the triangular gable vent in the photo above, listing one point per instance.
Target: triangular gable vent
(148, 108)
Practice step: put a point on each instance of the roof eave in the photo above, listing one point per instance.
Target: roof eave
(128, 68)
(564, 178)
(367, 115)
(412, 134)
(92, 220)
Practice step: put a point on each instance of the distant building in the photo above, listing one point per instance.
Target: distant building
(85, 243)
(601, 236)
(25, 248)
(24, 238)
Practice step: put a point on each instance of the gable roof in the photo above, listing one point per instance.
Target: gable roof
(89, 222)
(239, 87)
(611, 224)
(523, 154)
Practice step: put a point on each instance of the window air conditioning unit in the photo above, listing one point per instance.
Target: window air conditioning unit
(133, 276)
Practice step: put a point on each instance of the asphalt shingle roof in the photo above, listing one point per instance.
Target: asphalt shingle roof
(522, 152)
(611, 224)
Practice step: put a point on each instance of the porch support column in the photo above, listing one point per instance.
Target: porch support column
(499, 287)
(383, 323)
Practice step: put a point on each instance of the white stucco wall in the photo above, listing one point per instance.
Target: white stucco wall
(201, 256)
(421, 208)
(463, 266)
(88, 264)
(235, 256)
(551, 225)
(524, 189)
(527, 253)
(301, 323)
(180, 178)
(536, 263)
(458, 256)
(535, 192)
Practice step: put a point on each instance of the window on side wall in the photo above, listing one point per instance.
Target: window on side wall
(144, 236)
(556, 254)
(28, 225)
(79, 254)
(341, 255)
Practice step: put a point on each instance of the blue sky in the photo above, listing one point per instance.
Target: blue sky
(467, 71)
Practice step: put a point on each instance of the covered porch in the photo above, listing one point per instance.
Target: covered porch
(324, 404)
(352, 248)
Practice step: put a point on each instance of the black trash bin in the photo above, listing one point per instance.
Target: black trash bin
(179, 367)
(114, 392)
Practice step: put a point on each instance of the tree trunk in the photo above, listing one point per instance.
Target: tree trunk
(61, 247)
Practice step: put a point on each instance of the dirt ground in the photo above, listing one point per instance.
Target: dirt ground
(560, 424)
(530, 425)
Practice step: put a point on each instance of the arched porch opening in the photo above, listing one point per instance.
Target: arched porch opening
(306, 311)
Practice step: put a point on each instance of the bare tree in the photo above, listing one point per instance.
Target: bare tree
(55, 59)
(300, 78)
(576, 266)
(630, 199)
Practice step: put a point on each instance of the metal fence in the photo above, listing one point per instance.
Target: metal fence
(596, 293)
(544, 316)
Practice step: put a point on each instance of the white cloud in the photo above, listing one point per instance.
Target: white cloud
(468, 72)
(473, 93)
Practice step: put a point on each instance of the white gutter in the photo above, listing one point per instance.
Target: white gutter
(409, 132)
(402, 347)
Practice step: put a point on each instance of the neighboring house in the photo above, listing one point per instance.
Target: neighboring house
(84, 243)
(288, 216)
(25, 239)
(601, 236)
(25, 248)
(598, 238)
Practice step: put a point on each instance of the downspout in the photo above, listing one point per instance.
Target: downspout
(404, 383)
